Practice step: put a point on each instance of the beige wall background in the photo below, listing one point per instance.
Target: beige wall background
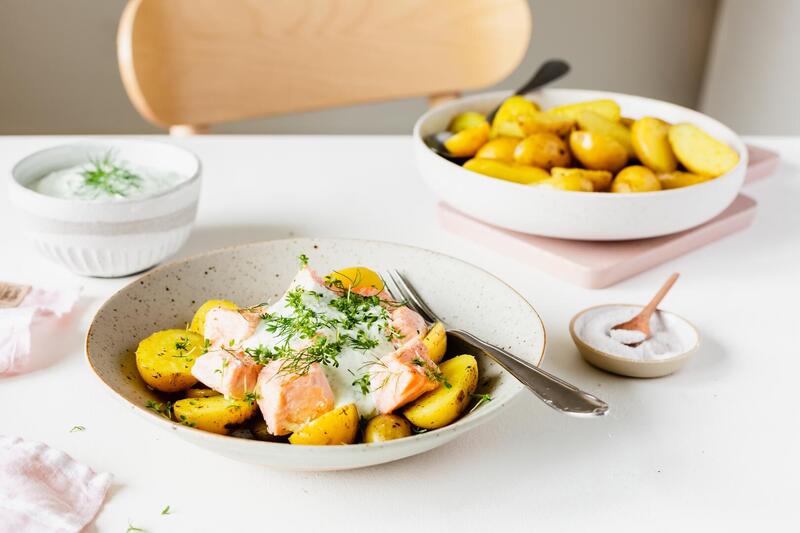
(58, 71)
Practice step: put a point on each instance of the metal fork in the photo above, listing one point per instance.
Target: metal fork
(553, 391)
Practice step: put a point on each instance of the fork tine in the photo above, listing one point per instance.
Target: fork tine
(410, 294)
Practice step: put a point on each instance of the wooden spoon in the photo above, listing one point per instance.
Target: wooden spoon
(641, 322)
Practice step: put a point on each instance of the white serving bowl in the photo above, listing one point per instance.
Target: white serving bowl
(108, 239)
(577, 215)
(168, 296)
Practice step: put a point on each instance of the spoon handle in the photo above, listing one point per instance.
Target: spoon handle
(551, 70)
(651, 307)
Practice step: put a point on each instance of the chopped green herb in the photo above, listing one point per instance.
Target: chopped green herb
(251, 397)
(163, 409)
(303, 260)
(363, 384)
(482, 399)
(132, 528)
(104, 175)
(77, 428)
(166, 510)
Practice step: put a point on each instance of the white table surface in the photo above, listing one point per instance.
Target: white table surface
(714, 445)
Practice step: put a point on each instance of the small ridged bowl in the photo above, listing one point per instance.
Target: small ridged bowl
(108, 239)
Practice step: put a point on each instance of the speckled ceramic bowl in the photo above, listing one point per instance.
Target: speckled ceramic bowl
(631, 367)
(108, 239)
(167, 297)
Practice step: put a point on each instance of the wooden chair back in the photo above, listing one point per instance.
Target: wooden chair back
(188, 64)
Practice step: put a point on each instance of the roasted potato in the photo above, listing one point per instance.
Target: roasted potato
(165, 359)
(215, 414)
(466, 142)
(572, 182)
(507, 171)
(635, 178)
(601, 179)
(626, 121)
(339, 426)
(651, 145)
(201, 392)
(546, 122)
(443, 405)
(386, 427)
(198, 324)
(597, 152)
(506, 128)
(607, 108)
(543, 150)
(501, 149)
(436, 342)
(595, 122)
(700, 152)
(358, 278)
(506, 123)
(677, 179)
(466, 120)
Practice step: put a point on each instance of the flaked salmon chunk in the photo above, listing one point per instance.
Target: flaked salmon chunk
(408, 324)
(231, 374)
(228, 328)
(402, 376)
(290, 400)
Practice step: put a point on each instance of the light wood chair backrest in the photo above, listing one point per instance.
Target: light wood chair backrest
(187, 64)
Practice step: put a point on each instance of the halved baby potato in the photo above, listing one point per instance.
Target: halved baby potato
(597, 151)
(651, 145)
(198, 324)
(591, 121)
(358, 279)
(501, 149)
(607, 108)
(506, 123)
(601, 179)
(635, 178)
(543, 150)
(215, 413)
(445, 404)
(573, 182)
(381, 428)
(165, 359)
(201, 392)
(339, 426)
(466, 142)
(700, 152)
(436, 342)
(503, 170)
(546, 122)
(677, 179)
(466, 120)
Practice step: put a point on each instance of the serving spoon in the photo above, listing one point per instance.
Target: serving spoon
(550, 71)
(641, 322)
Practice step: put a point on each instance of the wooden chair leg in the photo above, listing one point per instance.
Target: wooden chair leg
(441, 98)
(186, 130)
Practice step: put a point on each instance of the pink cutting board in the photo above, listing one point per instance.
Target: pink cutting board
(599, 264)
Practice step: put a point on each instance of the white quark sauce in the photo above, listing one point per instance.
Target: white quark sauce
(670, 336)
(69, 183)
(352, 363)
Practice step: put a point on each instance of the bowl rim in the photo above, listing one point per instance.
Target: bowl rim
(461, 425)
(683, 355)
(738, 145)
(108, 142)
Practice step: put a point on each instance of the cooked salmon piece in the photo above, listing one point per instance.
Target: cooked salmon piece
(408, 324)
(228, 328)
(402, 376)
(231, 374)
(289, 400)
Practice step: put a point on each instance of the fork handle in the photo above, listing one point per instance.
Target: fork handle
(553, 391)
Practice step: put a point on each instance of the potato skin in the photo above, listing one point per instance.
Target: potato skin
(677, 179)
(501, 149)
(635, 178)
(543, 150)
(591, 121)
(436, 342)
(466, 142)
(546, 122)
(466, 120)
(700, 152)
(339, 426)
(651, 145)
(214, 414)
(506, 120)
(605, 107)
(442, 406)
(358, 277)
(198, 324)
(386, 427)
(165, 359)
(201, 393)
(569, 182)
(515, 172)
(601, 179)
(597, 152)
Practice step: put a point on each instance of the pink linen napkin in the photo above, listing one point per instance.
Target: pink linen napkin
(19, 306)
(45, 490)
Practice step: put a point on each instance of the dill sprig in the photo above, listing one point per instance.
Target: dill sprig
(482, 399)
(432, 373)
(105, 175)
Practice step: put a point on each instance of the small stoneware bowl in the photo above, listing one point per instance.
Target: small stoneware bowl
(631, 367)
(168, 296)
(108, 239)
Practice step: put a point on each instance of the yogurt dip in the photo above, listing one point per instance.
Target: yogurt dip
(106, 179)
